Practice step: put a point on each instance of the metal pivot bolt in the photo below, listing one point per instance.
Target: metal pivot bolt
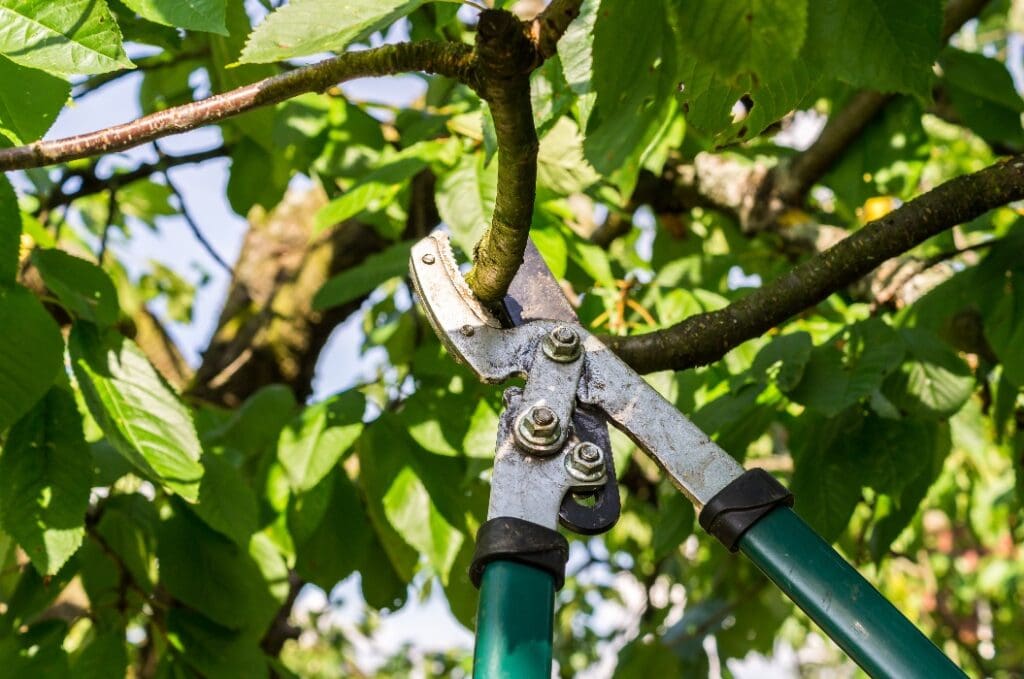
(562, 344)
(538, 429)
(585, 462)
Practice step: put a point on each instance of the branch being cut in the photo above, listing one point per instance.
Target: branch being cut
(506, 58)
(450, 59)
(704, 338)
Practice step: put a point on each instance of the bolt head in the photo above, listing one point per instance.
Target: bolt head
(586, 461)
(427, 258)
(562, 344)
(467, 331)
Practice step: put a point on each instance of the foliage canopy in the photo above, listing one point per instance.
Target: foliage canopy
(162, 516)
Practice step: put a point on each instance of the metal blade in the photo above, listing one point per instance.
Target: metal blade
(535, 293)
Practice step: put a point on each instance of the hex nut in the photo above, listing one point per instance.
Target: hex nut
(562, 344)
(538, 428)
(585, 462)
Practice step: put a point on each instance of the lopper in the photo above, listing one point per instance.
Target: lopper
(553, 447)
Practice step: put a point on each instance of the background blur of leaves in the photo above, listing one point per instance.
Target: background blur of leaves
(177, 527)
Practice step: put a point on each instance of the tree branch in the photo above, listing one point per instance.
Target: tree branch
(548, 26)
(451, 59)
(193, 226)
(506, 58)
(92, 183)
(704, 338)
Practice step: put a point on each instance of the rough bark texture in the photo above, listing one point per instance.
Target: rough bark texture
(268, 331)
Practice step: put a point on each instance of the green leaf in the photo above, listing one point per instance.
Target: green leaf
(707, 101)
(882, 45)
(363, 279)
(374, 191)
(201, 647)
(1004, 327)
(983, 93)
(37, 652)
(30, 101)
(105, 656)
(302, 27)
(10, 234)
(81, 286)
(226, 74)
(145, 200)
(141, 416)
(226, 503)
(914, 453)
(629, 110)
(934, 382)
(256, 177)
(128, 527)
(783, 360)
(63, 38)
(465, 198)
(45, 478)
(257, 423)
(886, 159)
(311, 445)
(675, 523)
(828, 475)
(561, 166)
(383, 454)
(410, 510)
(329, 545)
(743, 36)
(848, 367)
(194, 15)
(211, 574)
(32, 350)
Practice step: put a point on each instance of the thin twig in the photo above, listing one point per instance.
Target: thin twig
(92, 183)
(186, 215)
(111, 216)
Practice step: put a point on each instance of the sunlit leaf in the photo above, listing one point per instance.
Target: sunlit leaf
(142, 417)
(62, 38)
(45, 477)
(299, 29)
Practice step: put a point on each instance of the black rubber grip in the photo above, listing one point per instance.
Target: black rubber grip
(741, 504)
(509, 539)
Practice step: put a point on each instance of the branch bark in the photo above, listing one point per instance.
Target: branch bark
(705, 338)
(506, 58)
(451, 59)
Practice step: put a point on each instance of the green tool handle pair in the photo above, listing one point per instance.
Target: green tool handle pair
(514, 624)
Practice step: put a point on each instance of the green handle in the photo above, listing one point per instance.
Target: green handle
(835, 596)
(514, 623)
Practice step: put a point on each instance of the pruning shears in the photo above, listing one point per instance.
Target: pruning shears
(553, 448)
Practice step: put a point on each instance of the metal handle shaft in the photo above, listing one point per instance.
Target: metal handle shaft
(514, 623)
(833, 594)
